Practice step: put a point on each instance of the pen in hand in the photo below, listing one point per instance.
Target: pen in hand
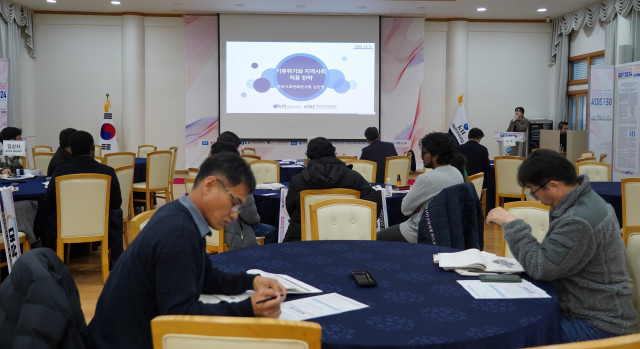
(269, 298)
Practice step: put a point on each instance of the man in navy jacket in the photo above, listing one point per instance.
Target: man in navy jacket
(377, 151)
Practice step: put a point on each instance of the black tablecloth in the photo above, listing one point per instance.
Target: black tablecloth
(415, 305)
(611, 192)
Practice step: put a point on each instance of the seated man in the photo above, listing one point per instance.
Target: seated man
(437, 153)
(563, 126)
(476, 153)
(63, 153)
(377, 151)
(582, 254)
(166, 267)
(81, 143)
(324, 171)
(9, 164)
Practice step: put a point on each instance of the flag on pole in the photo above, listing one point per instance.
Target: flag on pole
(459, 127)
(108, 137)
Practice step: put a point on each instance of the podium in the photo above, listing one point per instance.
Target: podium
(511, 143)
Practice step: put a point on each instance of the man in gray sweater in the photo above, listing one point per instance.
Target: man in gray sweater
(583, 254)
(437, 152)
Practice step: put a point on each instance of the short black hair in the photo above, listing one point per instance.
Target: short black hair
(229, 137)
(219, 147)
(64, 136)
(476, 133)
(9, 133)
(81, 143)
(546, 165)
(320, 147)
(562, 123)
(441, 144)
(520, 109)
(371, 133)
(229, 166)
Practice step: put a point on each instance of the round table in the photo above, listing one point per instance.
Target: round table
(415, 305)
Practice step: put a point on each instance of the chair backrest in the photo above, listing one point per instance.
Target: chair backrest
(192, 172)
(528, 196)
(265, 171)
(365, 168)
(120, 159)
(41, 161)
(248, 151)
(477, 180)
(343, 219)
(597, 171)
(174, 155)
(588, 158)
(346, 157)
(23, 162)
(308, 197)
(82, 202)
(144, 149)
(99, 159)
(215, 242)
(250, 158)
(198, 331)
(533, 213)
(397, 165)
(39, 149)
(630, 203)
(125, 179)
(630, 341)
(188, 184)
(138, 223)
(602, 157)
(97, 150)
(633, 264)
(587, 154)
(158, 166)
(506, 168)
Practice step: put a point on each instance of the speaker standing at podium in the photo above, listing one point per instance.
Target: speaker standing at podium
(519, 124)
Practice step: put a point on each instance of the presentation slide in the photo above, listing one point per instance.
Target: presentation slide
(300, 77)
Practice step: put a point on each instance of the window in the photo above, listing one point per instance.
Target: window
(577, 98)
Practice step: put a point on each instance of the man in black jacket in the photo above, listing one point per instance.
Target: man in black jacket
(324, 171)
(377, 151)
(63, 153)
(476, 153)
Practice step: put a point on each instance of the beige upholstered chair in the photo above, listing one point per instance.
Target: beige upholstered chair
(144, 149)
(172, 172)
(533, 213)
(82, 208)
(138, 223)
(41, 161)
(192, 172)
(602, 157)
(188, 184)
(198, 331)
(507, 185)
(586, 159)
(630, 341)
(310, 196)
(587, 154)
(99, 159)
(366, 168)
(39, 149)
(97, 150)
(344, 158)
(249, 151)
(120, 159)
(597, 171)
(528, 196)
(633, 264)
(158, 166)
(630, 206)
(250, 158)
(265, 171)
(477, 180)
(215, 242)
(343, 219)
(125, 179)
(426, 169)
(397, 165)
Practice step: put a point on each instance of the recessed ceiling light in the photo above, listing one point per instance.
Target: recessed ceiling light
(542, 10)
(481, 9)
(115, 2)
(51, 1)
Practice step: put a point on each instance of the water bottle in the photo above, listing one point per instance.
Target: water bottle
(388, 187)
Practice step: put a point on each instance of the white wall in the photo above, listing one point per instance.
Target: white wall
(435, 69)
(587, 40)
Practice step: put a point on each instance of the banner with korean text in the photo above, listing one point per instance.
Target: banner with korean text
(4, 86)
(9, 227)
(626, 121)
(601, 110)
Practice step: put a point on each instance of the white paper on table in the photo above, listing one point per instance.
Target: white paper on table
(317, 306)
(509, 141)
(291, 166)
(270, 186)
(217, 298)
(293, 286)
(502, 290)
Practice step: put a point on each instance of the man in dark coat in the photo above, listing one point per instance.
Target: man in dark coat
(377, 151)
(324, 171)
(476, 153)
(82, 148)
(63, 153)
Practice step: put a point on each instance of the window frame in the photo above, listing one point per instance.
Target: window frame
(589, 57)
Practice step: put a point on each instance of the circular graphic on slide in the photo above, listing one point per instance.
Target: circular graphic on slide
(301, 77)
(107, 132)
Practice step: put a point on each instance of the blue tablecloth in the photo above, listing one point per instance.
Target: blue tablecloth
(140, 170)
(286, 173)
(32, 189)
(611, 192)
(415, 305)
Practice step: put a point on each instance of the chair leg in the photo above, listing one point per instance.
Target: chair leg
(67, 254)
(125, 233)
(105, 259)
(148, 200)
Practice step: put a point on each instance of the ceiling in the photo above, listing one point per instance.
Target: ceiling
(496, 9)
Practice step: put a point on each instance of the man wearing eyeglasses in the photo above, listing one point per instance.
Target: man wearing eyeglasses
(166, 268)
(582, 254)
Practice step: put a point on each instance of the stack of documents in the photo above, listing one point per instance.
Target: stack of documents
(473, 262)
(270, 186)
(502, 290)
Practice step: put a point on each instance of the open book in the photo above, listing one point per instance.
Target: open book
(473, 259)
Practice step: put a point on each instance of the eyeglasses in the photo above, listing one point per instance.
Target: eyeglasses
(237, 205)
(533, 192)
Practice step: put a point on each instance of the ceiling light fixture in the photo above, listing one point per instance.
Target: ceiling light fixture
(481, 9)
(542, 10)
(51, 1)
(115, 2)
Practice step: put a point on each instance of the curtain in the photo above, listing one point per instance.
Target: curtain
(562, 76)
(610, 34)
(13, 19)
